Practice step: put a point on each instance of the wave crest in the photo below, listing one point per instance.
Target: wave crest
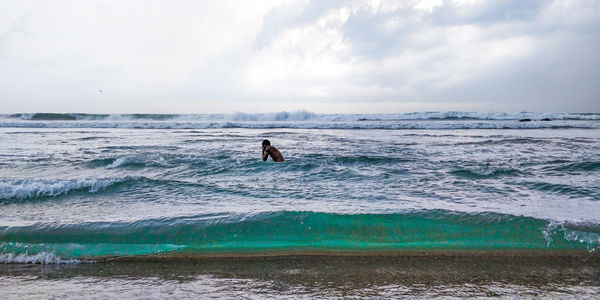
(303, 115)
(280, 230)
(38, 188)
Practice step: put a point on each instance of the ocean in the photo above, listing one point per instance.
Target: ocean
(395, 204)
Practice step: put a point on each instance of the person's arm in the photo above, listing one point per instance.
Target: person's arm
(265, 153)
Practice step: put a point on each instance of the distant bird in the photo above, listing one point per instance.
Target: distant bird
(99, 91)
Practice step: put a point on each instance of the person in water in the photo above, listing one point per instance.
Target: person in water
(267, 150)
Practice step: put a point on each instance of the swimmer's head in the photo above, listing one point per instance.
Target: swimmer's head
(266, 143)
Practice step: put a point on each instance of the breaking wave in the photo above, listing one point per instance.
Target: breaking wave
(44, 258)
(307, 120)
(22, 189)
(303, 115)
(292, 231)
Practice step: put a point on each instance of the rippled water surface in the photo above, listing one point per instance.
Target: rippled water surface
(117, 183)
(86, 188)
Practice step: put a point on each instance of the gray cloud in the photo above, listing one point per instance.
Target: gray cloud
(487, 12)
(297, 13)
(159, 55)
(534, 77)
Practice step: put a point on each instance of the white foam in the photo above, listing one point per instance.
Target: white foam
(120, 162)
(589, 239)
(146, 160)
(44, 258)
(29, 188)
(301, 115)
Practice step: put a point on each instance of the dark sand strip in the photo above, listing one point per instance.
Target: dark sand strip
(347, 269)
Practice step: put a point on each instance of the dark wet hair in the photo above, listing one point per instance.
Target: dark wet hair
(266, 143)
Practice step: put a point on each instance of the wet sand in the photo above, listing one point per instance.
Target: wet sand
(421, 274)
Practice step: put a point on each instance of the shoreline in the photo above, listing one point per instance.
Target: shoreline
(344, 274)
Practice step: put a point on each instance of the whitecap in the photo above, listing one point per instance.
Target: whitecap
(44, 258)
(33, 188)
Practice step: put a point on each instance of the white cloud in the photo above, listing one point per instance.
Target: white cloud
(206, 56)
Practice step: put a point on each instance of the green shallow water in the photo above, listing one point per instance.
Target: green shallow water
(297, 231)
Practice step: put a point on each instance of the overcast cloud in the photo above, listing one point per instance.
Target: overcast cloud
(322, 56)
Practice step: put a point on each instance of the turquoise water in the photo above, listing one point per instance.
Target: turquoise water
(83, 187)
(289, 231)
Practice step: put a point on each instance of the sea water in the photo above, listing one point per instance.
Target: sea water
(77, 188)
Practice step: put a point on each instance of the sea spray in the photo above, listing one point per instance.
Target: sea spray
(306, 120)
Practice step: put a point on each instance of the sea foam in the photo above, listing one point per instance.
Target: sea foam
(303, 115)
(36, 188)
(44, 258)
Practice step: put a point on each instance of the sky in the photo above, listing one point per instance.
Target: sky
(321, 56)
